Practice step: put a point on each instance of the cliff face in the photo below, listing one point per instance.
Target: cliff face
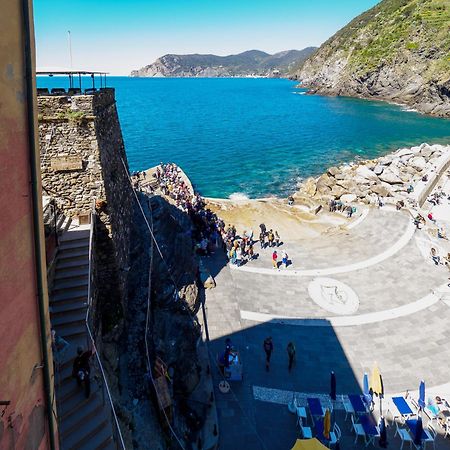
(397, 51)
(253, 62)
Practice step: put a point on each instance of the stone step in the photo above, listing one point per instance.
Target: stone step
(75, 421)
(72, 272)
(75, 243)
(103, 440)
(71, 330)
(75, 235)
(69, 264)
(72, 317)
(58, 309)
(78, 402)
(69, 283)
(72, 253)
(70, 295)
(82, 439)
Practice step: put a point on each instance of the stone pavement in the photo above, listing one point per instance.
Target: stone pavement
(407, 348)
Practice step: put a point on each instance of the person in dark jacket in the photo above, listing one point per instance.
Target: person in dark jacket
(268, 349)
(81, 369)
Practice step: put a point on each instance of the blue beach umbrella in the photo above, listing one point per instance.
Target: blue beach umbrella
(366, 392)
(422, 394)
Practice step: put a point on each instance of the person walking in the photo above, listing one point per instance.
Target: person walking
(275, 259)
(277, 239)
(268, 349)
(270, 238)
(262, 227)
(291, 354)
(81, 369)
(262, 239)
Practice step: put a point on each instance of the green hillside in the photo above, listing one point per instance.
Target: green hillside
(401, 40)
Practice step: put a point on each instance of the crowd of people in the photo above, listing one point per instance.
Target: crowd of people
(338, 205)
(209, 231)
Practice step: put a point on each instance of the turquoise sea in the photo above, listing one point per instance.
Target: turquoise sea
(256, 137)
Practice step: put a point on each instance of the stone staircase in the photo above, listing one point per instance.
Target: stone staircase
(83, 423)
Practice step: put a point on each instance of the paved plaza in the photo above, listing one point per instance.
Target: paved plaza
(400, 320)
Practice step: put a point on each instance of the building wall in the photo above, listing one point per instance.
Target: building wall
(83, 161)
(24, 424)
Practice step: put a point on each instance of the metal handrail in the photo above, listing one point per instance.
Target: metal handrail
(105, 383)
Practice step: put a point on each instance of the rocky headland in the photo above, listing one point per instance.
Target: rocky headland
(249, 63)
(397, 51)
(388, 178)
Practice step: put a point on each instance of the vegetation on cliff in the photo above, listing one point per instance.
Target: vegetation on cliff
(399, 50)
(252, 62)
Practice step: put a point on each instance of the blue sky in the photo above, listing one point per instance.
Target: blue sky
(119, 35)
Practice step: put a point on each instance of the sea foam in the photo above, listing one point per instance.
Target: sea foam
(238, 196)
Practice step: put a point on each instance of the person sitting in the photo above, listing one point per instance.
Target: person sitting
(441, 234)
(435, 256)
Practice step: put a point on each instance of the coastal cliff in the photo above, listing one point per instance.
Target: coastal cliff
(397, 51)
(249, 63)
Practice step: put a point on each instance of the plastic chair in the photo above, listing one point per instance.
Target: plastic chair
(359, 430)
(431, 436)
(348, 407)
(404, 436)
(306, 432)
(335, 435)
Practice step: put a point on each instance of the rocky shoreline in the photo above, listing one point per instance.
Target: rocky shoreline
(389, 178)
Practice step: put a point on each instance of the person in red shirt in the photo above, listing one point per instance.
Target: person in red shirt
(274, 259)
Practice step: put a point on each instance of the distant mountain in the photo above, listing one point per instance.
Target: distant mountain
(399, 51)
(252, 62)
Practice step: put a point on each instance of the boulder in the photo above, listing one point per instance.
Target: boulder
(361, 181)
(380, 190)
(418, 163)
(427, 153)
(365, 172)
(337, 191)
(378, 169)
(348, 198)
(390, 177)
(326, 180)
(309, 187)
(404, 152)
(332, 171)
(347, 184)
(340, 176)
(385, 161)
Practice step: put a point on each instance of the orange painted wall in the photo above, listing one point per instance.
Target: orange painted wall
(24, 424)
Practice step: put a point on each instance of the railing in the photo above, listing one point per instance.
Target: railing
(117, 434)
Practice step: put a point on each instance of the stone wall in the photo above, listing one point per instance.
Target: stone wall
(82, 162)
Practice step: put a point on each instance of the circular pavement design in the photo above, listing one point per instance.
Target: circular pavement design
(333, 296)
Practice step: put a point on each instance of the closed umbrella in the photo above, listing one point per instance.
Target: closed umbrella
(418, 433)
(366, 392)
(333, 386)
(376, 384)
(422, 394)
(327, 425)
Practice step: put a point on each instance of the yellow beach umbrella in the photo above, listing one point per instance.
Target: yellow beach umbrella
(327, 424)
(375, 380)
(376, 384)
(309, 444)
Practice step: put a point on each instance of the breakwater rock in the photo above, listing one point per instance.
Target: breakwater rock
(389, 177)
